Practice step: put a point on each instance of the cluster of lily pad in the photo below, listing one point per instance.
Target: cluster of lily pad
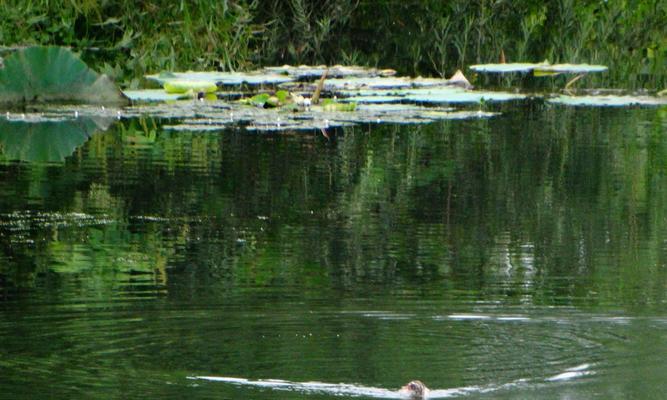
(271, 98)
(307, 97)
(287, 97)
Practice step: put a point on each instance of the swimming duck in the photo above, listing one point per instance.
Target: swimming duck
(415, 390)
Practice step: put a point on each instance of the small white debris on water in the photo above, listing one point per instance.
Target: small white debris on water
(76, 114)
(468, 316)
(571, 373)
(118, 114)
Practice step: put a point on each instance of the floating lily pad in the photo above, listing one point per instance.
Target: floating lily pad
(189, 86)
(381, 83)
(446, 94)
(379, 99)
(571, 68)
(539, 69)
(353, 99)
(38, 74)
(506, 68)
(609, 101)
(455, 95)
(221, 78)
(151, 95)
(337, 71)
(213, 117)
(334, 105)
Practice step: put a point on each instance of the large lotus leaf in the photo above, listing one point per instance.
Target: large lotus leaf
(53, 74)
(43, 141)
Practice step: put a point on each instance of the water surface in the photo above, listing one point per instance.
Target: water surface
(516, 257)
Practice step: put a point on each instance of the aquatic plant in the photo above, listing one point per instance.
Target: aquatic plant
(53, 74)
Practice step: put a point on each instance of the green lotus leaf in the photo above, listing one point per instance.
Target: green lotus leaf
(35, 75)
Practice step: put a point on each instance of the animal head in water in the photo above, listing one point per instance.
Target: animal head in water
(415, 389)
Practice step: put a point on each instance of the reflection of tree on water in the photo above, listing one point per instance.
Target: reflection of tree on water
(499, 207)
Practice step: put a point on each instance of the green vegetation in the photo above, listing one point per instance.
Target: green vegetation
(126, 40)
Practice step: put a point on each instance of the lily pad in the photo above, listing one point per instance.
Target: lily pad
(302, 72)
(381, 83)
(352, 99)
(447, 94)
(455, 95)
(378, 99)
(152, 95)
(188, 86)
(218, 116)
(38, 74)
(334, 105)
(506, 68)
(539, 69)
(221, 78)
(570, 68)
(608, 101)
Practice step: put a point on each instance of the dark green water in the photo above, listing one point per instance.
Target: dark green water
(523, 256)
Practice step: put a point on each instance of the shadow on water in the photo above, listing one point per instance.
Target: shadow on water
(496, 257)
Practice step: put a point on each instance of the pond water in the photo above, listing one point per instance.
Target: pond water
(519, 256)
